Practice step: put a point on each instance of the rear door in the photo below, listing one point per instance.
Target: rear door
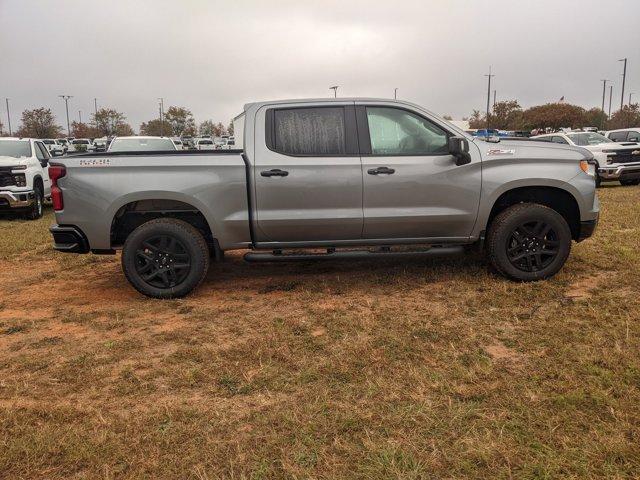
(307, 171)
(413, 188)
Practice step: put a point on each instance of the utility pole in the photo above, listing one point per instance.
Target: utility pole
(610, 97)
(66, 104)
(489, 94)
(95, 106)
(494, 99)
(624, 77)
(80, 115)
(395, 93)
(604, 91)
(161, 114)
(335, 90)
(8, 116)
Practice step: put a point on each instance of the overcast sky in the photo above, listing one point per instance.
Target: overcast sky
(214, 56)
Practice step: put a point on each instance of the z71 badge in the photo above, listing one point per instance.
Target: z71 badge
(500, 151)
(94, 162)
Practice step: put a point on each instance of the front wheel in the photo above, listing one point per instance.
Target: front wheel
(35, 212)
(528, 242)
(165, 258)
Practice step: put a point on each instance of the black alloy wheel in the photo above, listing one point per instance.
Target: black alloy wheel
(533, 246)
(163, 261)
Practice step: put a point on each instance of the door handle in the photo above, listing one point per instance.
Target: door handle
(381, 170)
(276, 172)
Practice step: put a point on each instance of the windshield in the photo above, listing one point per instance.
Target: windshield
(587, 138)
(205, 142)
(49, 142)
(141, 144)
(80, 142)
(15, 148)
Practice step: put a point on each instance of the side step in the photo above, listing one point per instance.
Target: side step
(331, 254)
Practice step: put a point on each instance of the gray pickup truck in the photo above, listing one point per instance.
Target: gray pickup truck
(319, 178)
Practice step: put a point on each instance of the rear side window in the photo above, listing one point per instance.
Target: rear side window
(634, 137)
(309, 131)
(559, 140)
(618, 136)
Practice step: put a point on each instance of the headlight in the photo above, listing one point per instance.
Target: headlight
(20, 180)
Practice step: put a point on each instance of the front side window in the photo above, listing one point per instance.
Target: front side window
(559, 140)
(634, 136)
(398, 132)
(316, 131)
(588, 138)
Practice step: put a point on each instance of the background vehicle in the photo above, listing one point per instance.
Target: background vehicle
(205, 144)
(24, 178)
(615, 161)
(80, 145)
(187, 142)
(330, 173)
(141, 144)
(53, 146)
(100, 144)
(64, 142)
(624, 135)
(177, 142)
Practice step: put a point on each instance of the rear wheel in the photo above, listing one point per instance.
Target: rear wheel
(626, 183)
(165, 258)
(528, 242)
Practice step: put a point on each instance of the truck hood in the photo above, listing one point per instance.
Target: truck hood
(531, 150)
(613, 146)
(11, 161)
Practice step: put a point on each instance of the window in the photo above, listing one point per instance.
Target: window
(398, 132)
(559, 140)
(141, 144)
(587, 138)
(15, 148)
(316, 131)
(41, 152)
(618, 136)
(634, 137)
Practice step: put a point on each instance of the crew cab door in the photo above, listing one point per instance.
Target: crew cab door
(307, 173)
(413, 188)
(42, 154)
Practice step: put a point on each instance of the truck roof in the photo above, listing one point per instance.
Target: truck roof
(329, 100)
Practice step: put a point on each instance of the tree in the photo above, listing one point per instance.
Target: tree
(207, 128)
(82, 130)
(627, 117)
(506, 115)
(39, 123)
(110, 122)
(230, 128)
(153, 128)
(180, 120)
(476, 120)
(595, 117)
(555, 116)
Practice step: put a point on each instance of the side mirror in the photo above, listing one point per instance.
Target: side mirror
(459, 148)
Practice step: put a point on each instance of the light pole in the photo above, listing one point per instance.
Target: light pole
(488, 94)
(161, 105)
(624, 77)
(395, 93)
(610, 97)
(604, 91)
(335, 90)
(8, 116)
(95, 106)
(80, 115)
(66, 104)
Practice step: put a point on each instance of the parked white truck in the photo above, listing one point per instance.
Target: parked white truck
(24, 176)
(328, 174)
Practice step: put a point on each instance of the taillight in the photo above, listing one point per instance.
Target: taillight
(56, 171)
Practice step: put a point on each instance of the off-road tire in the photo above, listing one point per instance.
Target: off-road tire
(501, 234)
(36, 210)
(135, 256)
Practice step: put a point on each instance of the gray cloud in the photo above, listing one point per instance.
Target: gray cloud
(214, 56)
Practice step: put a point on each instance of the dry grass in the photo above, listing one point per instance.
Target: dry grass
(392, 369)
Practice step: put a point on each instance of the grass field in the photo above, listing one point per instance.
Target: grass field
(407, 369)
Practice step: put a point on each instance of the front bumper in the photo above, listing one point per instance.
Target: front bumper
(11, 200)
(620, 171)
(68, 238)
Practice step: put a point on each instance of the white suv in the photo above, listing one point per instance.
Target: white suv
(24, 176)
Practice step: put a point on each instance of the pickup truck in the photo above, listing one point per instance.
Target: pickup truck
(24, 176)
(332, 175)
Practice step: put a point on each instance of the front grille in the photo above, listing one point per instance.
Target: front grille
(6, 179)
(625, 156)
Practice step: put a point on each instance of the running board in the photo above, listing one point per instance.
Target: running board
(385, 252)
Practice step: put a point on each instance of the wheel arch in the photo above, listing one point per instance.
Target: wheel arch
(554, 197)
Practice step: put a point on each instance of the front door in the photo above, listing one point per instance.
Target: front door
(413, 188)
(308, 177)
